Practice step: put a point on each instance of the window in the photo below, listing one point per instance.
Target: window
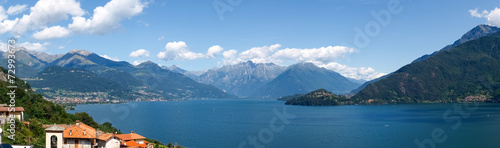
(53, 141)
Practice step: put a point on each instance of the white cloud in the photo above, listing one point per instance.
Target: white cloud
(13, 10)
(52, 33)
(140, 53)
(180, 51)
(492, 17)
(3, 16)
(107, 18)
(7, 25)
(213, 51)
(258, 54)
(323, 54)
(34, 46)
(230, 54)
(274, 54)
(110, 58)
(161, 38)
(46, 12)
(3, 46)
(365, 73)
(60, 47)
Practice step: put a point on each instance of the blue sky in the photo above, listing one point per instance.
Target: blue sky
(180, 32)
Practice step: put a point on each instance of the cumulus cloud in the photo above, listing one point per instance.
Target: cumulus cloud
(3, 16)
(274, 54)
(323, 54)
(213, 51)
(13, 10)
(47, 12)
(365, 73)
(108, 17)
(180, 51)
(110, 58)
(492, 17)
(44, 13)
(139, 53)
(34, 46)
(52, 33)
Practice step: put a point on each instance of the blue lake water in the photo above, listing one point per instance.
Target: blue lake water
(231, 123)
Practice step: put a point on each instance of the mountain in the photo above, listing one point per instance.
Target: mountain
(241, 79)
(475, 33)
(98, 77)
(467, 72)
(176, 69)
(355, 91)
(55, 79)
(175, 85)
(357, 81)
(303, 78)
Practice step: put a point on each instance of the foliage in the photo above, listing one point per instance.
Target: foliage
(320, 97)
(470, 69)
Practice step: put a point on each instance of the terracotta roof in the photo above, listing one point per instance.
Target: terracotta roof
(132, 143)
(131, 136)
(105, 137)
(6, 109)
(80, 130)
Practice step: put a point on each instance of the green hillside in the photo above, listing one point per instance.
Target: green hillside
(471, 70)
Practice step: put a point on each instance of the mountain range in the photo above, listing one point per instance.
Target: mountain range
(473, 34)
(83, 74)
(469, 71)
(465, 71)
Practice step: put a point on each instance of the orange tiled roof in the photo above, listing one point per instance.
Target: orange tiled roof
(6, 109)
(105, 137)
(131, 136)
(80, 130)
(132, 143)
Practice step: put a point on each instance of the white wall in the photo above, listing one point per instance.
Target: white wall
(59, 139)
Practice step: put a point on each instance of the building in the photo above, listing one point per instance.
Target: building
(81, 135)
(134, 140)
(108, 140)
(78, 135)
(5, 114)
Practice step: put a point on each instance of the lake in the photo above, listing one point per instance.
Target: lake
(269, 123)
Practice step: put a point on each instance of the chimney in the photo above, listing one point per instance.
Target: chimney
(131, 132)
(77, 122)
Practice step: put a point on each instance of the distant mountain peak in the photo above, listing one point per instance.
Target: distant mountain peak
(80, 51)
(148, 64)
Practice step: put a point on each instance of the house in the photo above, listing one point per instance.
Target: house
(108, 140)
(15, 112)
(81, 135)
(134, 140)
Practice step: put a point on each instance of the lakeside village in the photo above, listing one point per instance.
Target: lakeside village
(78, 135)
